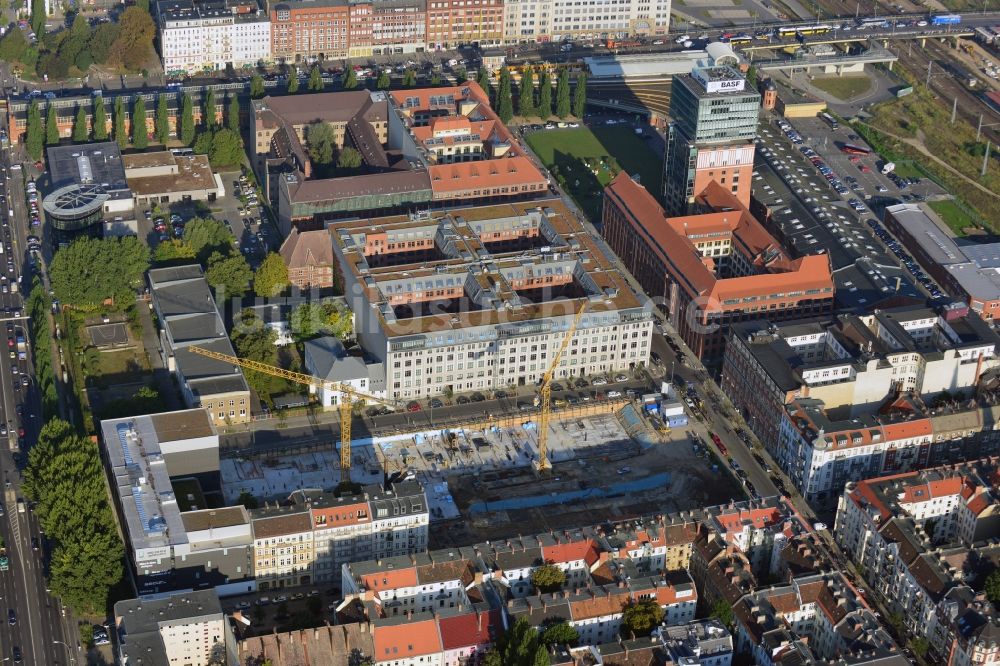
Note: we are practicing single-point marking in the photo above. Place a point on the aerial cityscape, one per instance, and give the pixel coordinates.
(500, 332)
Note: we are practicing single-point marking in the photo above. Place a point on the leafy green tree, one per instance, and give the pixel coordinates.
(228, 275)
(35, 133)
(328, 317)
(247, 500)
(640, 618)
(461, 75)
(208, 118)
(13, 46)
(256, 86)
(173, 251)
(133, 43)
(118, 123)
(65, 477)
(436, 79)
(320, 142)
(409, 78)
(185, 128)
(920, 645)
(227, 149)
(100, 120)
(203, 143)
(560, 633)
(205, 236)
(140, 133)
(100, 42)
(255, 341)
(161, 124)
(505, 105)
(383, 82)
(143, 5)
(526, 98)
(580, 96)
(349, 158)
(992, 586)
(315, 83)
(562, 95)
(51, 126)
(545, 95)
(548, 578)
(80, 129)
(350, 79)
(271, 277)
(38, 18)
(293, 82)
(233, 114)
(521, 646)
(722, 611)
(483, 79)
(90, 270)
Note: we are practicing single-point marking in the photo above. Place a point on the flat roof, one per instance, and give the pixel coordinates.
(645, 65)
(194, 174)
(92, 163)
(929, 231)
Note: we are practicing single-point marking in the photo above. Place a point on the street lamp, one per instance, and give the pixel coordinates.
(69, 650)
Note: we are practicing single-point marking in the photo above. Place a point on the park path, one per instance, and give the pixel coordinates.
(919, 145)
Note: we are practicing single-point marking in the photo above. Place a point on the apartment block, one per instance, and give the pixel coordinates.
(309, 30)
(283, 551)
(454, 23)
(703, 642)
(199, 35)
(715, 114)
(308, 256)
(481, 298)
(180, 628)
(926, 541)
(188, 316)
(712, 269)
(531, 21)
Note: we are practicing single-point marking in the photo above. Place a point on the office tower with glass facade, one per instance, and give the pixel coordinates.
(713, 123)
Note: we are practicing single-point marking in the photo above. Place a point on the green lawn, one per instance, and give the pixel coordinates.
(956, 218)
(567, 150)
(843, 87)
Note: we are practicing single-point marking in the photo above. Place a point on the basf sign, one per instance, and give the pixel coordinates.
(720, 79)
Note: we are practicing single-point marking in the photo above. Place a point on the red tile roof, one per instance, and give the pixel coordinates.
(390, 580)
(404, 641)
(470, 629)
(574, 551)
(907, 429)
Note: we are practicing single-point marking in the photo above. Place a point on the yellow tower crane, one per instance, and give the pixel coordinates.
(543, 463)
(348, 394)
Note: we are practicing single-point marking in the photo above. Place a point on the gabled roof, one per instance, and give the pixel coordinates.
(472, 629)
(406, 640)
(307, 248)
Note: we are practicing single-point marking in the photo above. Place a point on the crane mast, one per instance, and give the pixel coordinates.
(543, 463)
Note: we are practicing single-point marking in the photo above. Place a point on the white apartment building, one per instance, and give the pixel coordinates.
(182, 628)
(198, 36)
(282, 547)
(557, 20)
(481, 298)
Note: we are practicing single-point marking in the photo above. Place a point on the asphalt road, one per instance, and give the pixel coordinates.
(41, 630)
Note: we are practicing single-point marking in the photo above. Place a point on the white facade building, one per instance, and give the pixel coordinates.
(211, 35)
(557, 20)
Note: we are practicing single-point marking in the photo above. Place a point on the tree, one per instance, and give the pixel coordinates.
(271, 277)
(383, 82)
(409, 78)
(35, 133)
(293, 82)
(560, 634)
(118, 123)
(548, 578)
(436, 79)
(90, 270)
(228, 275)
(142, 4)
(173, 251)
(255, 341)
(247, 500)
(100, 42)
(206, 236)
(51, 126)
(65, 477)
(483, 79)
(992, 586)
(562, 95)
(256, 86)
(545, 96)
(233, 114)
(161, 123)
(203, 143)
(13, 46)
(920, 645)
(461, 75)
(505, 105)
(315, 83)
(521, 646)
(722, 611)
(38, 18)
(227, 149)
(314, 319)
(580, 95)
(185, 128)
(208, 117)
(140, 135)
(134, 42)
(640, 618)
(100, 120)
(526, 99)
(320, 142)
(80, 130)
(349, 158)
(350, 80)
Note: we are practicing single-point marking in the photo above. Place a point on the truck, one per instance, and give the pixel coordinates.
(946, 19)
(888, 168)
(22, 344)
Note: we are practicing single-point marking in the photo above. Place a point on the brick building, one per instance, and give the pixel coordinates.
(451, 23)
(309, 29)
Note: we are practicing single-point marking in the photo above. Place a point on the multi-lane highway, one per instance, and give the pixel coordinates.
(33, 625)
